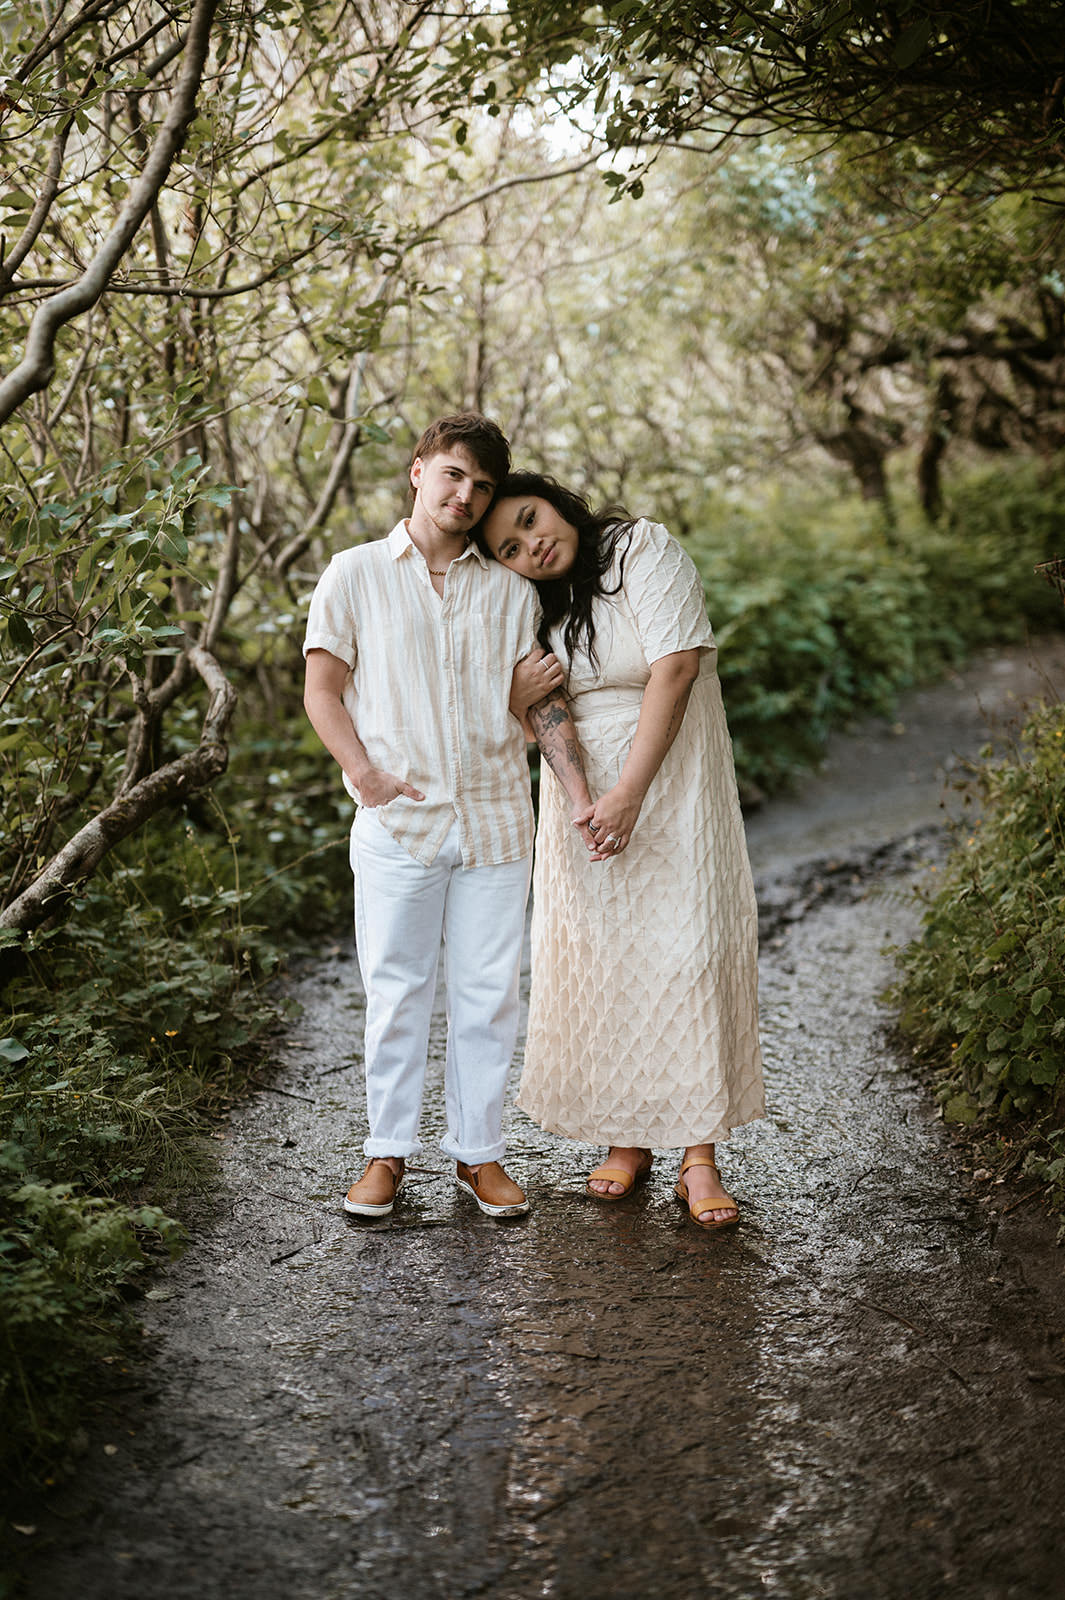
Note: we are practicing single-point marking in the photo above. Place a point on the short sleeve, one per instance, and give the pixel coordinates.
(664, 593)
(523, 609)
(530, 622)
(331, 618)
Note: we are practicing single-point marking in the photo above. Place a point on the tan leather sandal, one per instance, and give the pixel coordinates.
(697, 1209)
(619, 1175)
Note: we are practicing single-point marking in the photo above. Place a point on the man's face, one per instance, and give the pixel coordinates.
(451, 489)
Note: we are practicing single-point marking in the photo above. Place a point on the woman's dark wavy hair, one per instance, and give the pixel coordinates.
(598, 536)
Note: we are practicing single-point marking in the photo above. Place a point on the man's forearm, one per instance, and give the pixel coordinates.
(552, 724)
(331, 722)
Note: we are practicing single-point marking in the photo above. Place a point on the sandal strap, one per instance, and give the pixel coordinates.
(610, 1175)
(724, 1202)
(699, 1161)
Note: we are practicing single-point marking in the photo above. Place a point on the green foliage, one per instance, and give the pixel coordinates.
(982, 993)
(971, 85)
(819, 619)
(86, 609)
(125, 1032)
(1045, 1163)
(67, 1264)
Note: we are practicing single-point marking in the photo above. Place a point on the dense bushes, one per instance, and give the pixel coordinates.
(126, 1030)
(820, 618)
(983, 991)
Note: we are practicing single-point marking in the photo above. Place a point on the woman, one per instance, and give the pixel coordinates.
(643, 1026)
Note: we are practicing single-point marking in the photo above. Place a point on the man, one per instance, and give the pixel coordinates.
(410, 650)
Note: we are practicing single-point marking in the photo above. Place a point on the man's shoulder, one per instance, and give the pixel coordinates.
(510, 587)
(371, 552)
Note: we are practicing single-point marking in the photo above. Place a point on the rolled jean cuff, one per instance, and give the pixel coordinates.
(474, 1158)
(391, 1147)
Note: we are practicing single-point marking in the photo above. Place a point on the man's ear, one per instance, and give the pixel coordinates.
(416, 472)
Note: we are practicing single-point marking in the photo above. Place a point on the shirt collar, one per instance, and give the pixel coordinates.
(400, 544)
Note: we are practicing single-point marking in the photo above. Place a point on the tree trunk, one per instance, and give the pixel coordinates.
(934, 447)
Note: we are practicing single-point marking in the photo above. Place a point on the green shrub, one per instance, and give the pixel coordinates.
(821, 616)
(982, 992)
(127, 1029)
(67, 1263)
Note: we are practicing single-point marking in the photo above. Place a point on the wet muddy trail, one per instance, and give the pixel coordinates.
(857, 1393)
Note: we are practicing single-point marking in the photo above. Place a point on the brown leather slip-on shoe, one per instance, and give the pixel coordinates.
(375, 1193)
(493, 1191)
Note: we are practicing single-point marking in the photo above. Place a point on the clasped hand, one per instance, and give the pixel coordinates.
(607, 825)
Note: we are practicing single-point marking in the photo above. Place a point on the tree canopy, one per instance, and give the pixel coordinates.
(978, 88)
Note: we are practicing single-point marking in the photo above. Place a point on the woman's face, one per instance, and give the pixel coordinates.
(527, 535)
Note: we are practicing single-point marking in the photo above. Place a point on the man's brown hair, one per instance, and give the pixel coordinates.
(483, 438)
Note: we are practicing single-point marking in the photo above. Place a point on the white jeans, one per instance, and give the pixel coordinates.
(402, 911)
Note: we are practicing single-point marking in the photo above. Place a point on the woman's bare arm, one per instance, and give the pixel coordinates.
(665, 700)
(552, 724)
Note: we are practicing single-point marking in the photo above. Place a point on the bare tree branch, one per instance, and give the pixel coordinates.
(91, 13)
(34, 372)
(80, 856)
(42, 205)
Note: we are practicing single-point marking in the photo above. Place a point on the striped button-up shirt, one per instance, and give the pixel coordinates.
(427, 690)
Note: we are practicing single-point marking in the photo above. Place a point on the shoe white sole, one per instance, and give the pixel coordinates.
(359, 1208)
(519, 1208)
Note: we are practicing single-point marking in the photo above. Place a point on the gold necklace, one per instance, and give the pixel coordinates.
(433, 572)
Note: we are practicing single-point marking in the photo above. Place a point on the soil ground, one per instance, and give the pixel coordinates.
(859, 1392)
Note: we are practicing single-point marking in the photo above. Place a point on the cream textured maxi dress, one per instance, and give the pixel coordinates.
(643, 1018)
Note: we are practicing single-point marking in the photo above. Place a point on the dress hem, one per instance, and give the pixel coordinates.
(627, 1139)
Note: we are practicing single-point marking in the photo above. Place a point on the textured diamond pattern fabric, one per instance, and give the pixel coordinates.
(643, 1021)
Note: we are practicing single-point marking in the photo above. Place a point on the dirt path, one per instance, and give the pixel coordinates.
(856, 1394)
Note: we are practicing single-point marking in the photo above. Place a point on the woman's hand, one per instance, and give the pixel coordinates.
(610, 821)
(534, 677)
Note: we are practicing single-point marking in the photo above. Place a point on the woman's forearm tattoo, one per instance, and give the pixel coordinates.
(552, 724)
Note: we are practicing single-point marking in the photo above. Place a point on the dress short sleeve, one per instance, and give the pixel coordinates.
(663, 591)
(331, 619)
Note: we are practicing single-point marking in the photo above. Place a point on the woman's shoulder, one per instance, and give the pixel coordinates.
(648, 546)
(643, 535)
